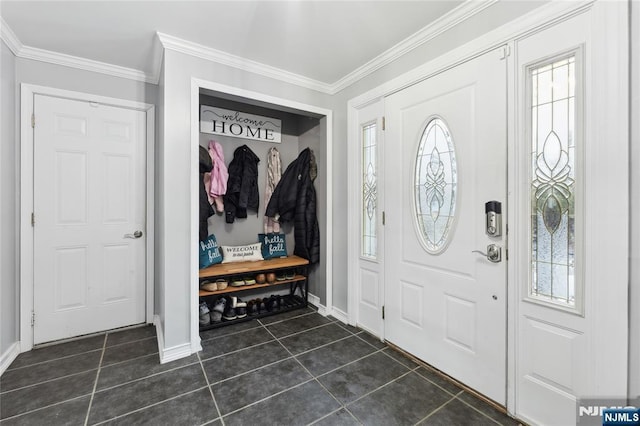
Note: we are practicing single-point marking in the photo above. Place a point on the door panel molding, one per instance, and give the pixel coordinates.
(28, 92)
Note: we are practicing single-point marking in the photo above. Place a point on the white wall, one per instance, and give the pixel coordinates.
(61, 77)
(634, 293)
(8, 207)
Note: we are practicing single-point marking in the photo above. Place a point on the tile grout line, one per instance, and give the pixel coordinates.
(47, 381)
(312, 375)
(312, 378)
(44, 407)
(236, 351)
(128, 360)
(52, 360)
(213, 397)
(286, 319)
(474, 408)
(349, 363)
(434, 383)
(250, 371)
(95, 383)
(267, 397)
(377, 389)
(303, 331)
(386, 352)
(119, 416)
(232, 333)
(145, 377)
(438, 409)
(74, 354)
(262, 343)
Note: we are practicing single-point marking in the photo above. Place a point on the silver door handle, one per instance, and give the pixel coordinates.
(136, 234)
(493, 254)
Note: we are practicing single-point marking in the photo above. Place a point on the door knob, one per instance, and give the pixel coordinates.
(493, 254)
(136, 234)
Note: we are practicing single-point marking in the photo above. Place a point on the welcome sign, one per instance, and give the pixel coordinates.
(219, 121)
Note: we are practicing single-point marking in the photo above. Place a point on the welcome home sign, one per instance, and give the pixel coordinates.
(219, 121)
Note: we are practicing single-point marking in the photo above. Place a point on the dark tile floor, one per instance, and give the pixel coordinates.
(295, 368)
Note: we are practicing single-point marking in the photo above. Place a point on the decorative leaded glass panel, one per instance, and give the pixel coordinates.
(552, 123)
(369, 191)
(436, 181)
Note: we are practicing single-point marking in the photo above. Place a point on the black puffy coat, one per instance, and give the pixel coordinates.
(205, 208)
(294, 198)
(242, 186)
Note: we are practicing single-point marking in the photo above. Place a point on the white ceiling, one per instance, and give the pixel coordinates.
(319, 40)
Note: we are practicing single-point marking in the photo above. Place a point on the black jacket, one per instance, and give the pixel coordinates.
(205, 208)
(242, 186)
(294, 198)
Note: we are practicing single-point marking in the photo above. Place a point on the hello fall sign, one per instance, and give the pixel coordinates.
(219, 121)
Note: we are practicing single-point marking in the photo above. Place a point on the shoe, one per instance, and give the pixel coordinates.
(238, 303)
(229, 313)
(268, 304)
(219, 305)
(205, 318)
(241, 312)
(290, 275)
(237, 282)
(209, 286)
(252, 308)
(249, 281)
(281, 276)
(222, 283)
(276, 302)
(215, 317)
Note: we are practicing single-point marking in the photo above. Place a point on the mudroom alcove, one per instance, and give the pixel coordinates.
(301, 130)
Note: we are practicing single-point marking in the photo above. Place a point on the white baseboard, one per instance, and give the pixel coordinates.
(9, 356)
(173, 353)
(315, 301)
(340, 315)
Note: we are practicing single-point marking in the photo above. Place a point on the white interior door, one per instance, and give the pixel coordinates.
(445, 304)
(89, 201)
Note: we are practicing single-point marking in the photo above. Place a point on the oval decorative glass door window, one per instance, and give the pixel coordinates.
(436, 180)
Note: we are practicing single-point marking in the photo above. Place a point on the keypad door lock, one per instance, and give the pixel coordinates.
(493, 254)
(493, 212)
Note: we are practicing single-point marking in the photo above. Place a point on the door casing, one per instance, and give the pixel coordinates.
(27, 192)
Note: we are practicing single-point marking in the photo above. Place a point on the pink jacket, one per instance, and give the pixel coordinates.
(219, 174)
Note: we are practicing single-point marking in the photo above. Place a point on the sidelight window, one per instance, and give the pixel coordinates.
(552, 123)
(369, 192)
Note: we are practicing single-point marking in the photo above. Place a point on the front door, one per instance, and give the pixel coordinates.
(89, 205)
(445, 158)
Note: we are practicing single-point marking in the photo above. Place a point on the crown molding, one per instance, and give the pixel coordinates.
(84, 64)
(447, 21)
(9, 37)
(194, 49)
(36, 54)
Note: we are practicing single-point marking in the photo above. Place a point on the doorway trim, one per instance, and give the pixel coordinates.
(546, 15)
(196, 85)
(27, 93)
